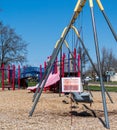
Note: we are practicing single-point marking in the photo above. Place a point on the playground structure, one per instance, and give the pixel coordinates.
(78, 8)
(8, 77)
(13, 77)
(64, 67)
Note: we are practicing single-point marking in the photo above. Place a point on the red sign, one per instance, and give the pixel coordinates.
(71, 84)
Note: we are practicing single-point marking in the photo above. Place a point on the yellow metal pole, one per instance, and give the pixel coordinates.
(64, 31)
(78, 8)
(106, 18)
(76, 31)
(100, 5)
(56, 44)
(91, 3)
(79, 5)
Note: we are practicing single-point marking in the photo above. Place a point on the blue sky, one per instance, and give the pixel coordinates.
(41, 22)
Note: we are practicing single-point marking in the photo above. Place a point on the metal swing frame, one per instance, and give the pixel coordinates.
(78, 8)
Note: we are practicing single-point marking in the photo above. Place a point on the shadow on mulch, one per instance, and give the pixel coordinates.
(100, 114)
(87, 114)
(81, 114)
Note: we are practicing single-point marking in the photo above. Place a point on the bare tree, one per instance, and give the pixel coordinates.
(12, 48)
(108, 60)
(104, 60)
(108, 63)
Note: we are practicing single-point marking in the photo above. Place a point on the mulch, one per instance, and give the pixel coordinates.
(53, 112)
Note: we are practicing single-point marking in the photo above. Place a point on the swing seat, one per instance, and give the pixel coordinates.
(82, 97)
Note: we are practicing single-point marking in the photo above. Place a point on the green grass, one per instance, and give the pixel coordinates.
(97, 88)
(32, 83)
(29, 84)
(111, 83)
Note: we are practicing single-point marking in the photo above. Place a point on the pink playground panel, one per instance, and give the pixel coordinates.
(52, 79)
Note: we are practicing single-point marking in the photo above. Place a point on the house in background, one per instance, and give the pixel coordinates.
(111, 76)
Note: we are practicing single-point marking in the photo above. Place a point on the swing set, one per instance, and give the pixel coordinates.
(57, 50)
